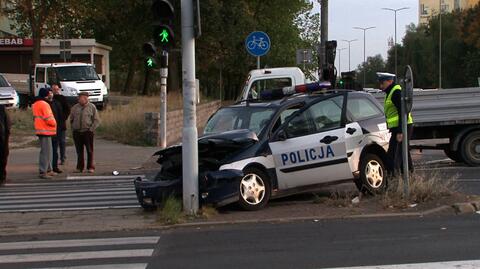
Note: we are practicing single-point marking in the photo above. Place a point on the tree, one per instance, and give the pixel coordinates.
(373, 65)
(36, 18)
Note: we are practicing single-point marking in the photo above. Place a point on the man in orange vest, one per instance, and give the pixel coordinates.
(45, 128)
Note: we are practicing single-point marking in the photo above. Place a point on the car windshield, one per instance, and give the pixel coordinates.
(75, 73)
(234, 118)
(3, 82)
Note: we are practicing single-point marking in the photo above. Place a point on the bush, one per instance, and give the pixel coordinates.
(171, 212)
(423, 187)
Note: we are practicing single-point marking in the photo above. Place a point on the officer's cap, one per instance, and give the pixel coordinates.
(381, 76)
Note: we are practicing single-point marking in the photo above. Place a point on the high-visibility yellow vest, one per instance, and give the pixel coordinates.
(391, 112)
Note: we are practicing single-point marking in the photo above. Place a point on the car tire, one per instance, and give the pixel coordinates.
(470, 149)
(454, 155)
(373, 175)
(254, 189)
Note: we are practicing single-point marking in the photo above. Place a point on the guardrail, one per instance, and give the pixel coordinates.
(445, 107)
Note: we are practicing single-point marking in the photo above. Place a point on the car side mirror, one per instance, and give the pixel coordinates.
(281, 135)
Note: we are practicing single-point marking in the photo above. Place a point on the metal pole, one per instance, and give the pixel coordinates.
(323, 35)
(258, 62)
(440, 49)
(349, 42)
(364, 49)
(395, 45)
(405, 145)
(163, 99)
(190, 136)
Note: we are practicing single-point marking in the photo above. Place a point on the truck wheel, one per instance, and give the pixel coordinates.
(254, 189)
(454, 155)
(470, 149)
(373, 175)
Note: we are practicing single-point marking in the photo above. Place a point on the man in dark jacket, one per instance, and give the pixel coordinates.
(5, 125)
(61, 110)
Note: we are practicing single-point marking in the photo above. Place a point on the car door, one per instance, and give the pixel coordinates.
(310, 147)
(40, 80)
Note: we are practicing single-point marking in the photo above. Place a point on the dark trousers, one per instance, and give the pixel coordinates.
(3, 160)
(58, 142)
(84, 140)
(395, 155)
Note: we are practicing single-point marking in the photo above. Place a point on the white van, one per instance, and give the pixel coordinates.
(72, 78)
(271, 78)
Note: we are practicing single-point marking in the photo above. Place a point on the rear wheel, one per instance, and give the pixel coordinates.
(470, 149)
(454, 155)
(372, 175)
(255, 189)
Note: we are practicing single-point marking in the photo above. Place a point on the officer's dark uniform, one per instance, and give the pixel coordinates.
(4, 136)
(392, 106)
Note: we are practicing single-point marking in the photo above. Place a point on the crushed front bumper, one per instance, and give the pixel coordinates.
(217, 188)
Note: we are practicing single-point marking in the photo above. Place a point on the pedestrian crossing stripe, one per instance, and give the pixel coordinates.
(472, 264)
(68, 195)
(77, 250)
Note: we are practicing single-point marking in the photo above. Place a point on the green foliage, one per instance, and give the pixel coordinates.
(371, 67)
(460, 56)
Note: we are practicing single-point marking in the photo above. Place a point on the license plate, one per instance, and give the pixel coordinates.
(93, 99)
(147, 201)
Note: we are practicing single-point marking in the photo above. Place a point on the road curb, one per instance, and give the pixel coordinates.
(466, 208)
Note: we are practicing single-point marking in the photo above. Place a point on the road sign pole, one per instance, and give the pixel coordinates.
(190, 136)
(163, 98)
(258, 62)
(406, 181)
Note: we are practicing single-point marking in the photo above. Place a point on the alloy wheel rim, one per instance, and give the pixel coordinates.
(374, 174)
(252, 189)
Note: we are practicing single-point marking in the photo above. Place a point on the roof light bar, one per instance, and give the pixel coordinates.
(286, 91)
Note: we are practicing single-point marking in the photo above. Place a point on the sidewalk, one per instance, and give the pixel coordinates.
(109, 156)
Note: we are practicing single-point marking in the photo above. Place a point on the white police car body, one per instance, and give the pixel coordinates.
(256, 150)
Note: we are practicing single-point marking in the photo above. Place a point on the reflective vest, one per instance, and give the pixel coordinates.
(391, 112)
(44, 121)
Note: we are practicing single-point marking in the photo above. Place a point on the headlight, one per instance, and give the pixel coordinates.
(71, 91)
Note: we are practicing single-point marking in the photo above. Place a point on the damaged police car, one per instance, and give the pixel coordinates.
(256, 150)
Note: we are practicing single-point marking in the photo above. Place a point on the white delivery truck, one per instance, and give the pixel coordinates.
(72, 78)
(259, 80)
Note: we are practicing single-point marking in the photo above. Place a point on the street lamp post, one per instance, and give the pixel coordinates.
(349, 41)
(340, 60)
(364, 29)
(440, 46)
(395, 45)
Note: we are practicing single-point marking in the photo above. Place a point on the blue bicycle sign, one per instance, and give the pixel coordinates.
(257, 43)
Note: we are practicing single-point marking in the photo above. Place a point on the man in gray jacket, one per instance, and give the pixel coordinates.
(84, 119)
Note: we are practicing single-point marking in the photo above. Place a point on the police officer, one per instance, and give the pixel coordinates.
(392, 109)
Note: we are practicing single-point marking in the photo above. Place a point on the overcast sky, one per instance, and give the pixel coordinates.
(345, 14)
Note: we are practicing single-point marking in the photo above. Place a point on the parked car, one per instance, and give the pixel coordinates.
(8, 95)
(254, 151)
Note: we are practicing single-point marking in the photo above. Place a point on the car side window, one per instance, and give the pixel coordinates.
(300, 125)
(261, 85)
(327, 114)
(40, 75)
(362, 108)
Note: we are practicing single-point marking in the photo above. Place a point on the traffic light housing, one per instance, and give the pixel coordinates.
(163, 15)
(150, 53)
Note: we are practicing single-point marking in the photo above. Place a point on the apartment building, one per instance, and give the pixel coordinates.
(429, 8)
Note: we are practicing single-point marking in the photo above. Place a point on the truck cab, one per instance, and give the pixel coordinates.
(271, 78)
(72, 79)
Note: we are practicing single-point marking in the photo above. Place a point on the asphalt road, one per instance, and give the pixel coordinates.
(467, 178)
(308, 244)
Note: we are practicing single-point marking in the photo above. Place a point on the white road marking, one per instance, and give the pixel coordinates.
(79, 243)
(105, 266)
(130, 196)
(69, 256)
(132, 177)
(32, 206)
(67, 183)
(439, 161)
(49, 195)
(68, 208)
(66, 192)
(474, 264)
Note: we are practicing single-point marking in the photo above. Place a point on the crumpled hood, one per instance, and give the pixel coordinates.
(215, 146)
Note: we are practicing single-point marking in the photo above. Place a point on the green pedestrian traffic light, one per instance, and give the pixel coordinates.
(163, 15)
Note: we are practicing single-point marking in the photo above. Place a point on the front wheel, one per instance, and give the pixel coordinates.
(372, 175)
(255, 189)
